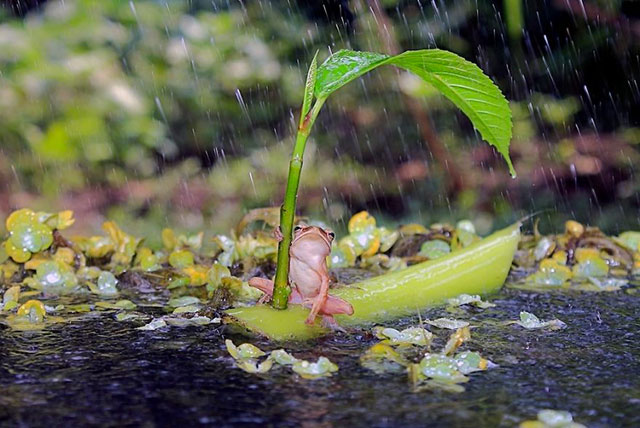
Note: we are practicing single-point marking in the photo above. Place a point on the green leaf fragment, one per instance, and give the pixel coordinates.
(590, 264)
(183, 301)
(337, 258)
(469, 362)
(9, 305)
(11, 295)
(33, 310)
(107, 283)
(456, 339)
(382, 358)
(410, 336)
(353, 245)
(216, 273)
(467, 226)
(147, 260)
(179, 282)
(155, 324)
(609, 284)
(361, 222)
(169, 240)
(321, 368)
(228, 246)
(543, 248)
(18, 255)
(246, 350)
(530, 322)
(434, 249)
(447, 323)
(251, 366)
(181, 259)
(95, 246)
(33, 237)
(555, 418)
(53, 277)
(551, 274)
(21, 216)
(467, 299)
(552, 419)
(3, 254)
(630, 239)
(241, 290)
(61, 220)
(387, 239)
(125, 245)
(119, 305)
(186, 309)
(130, 316)
(282, 357)
(441, 368)
(186, 322)
(246, 354)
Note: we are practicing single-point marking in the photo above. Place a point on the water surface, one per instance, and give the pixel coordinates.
(99, 371)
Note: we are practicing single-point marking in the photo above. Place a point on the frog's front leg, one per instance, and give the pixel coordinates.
(277, 233)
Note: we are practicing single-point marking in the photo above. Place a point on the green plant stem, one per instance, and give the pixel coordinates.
(281, 289)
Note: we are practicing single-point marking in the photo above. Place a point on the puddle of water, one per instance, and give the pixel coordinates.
(102, 372)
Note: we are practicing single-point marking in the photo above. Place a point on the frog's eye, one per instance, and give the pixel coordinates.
(297, 228)
(332, 235)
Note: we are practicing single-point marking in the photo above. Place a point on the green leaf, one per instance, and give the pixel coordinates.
(461, 81)
(309, 87)
(344, 66)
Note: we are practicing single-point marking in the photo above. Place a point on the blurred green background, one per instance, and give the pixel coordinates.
(181, 114)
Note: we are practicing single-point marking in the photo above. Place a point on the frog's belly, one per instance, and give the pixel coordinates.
(306, 280)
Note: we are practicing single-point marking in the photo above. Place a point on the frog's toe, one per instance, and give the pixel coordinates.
(330, 322)
(266, 298)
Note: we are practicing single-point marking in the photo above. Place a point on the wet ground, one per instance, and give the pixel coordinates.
(103, 372)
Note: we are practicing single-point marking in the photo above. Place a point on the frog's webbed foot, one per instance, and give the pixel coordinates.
(266, 298)
(330, 322)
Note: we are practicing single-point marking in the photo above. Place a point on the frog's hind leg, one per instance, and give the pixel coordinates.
(266, 286)
(262, 284)
(335, 305)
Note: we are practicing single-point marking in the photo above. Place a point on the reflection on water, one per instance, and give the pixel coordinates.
(102, 372)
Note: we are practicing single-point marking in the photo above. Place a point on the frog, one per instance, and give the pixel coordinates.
(309, 275)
